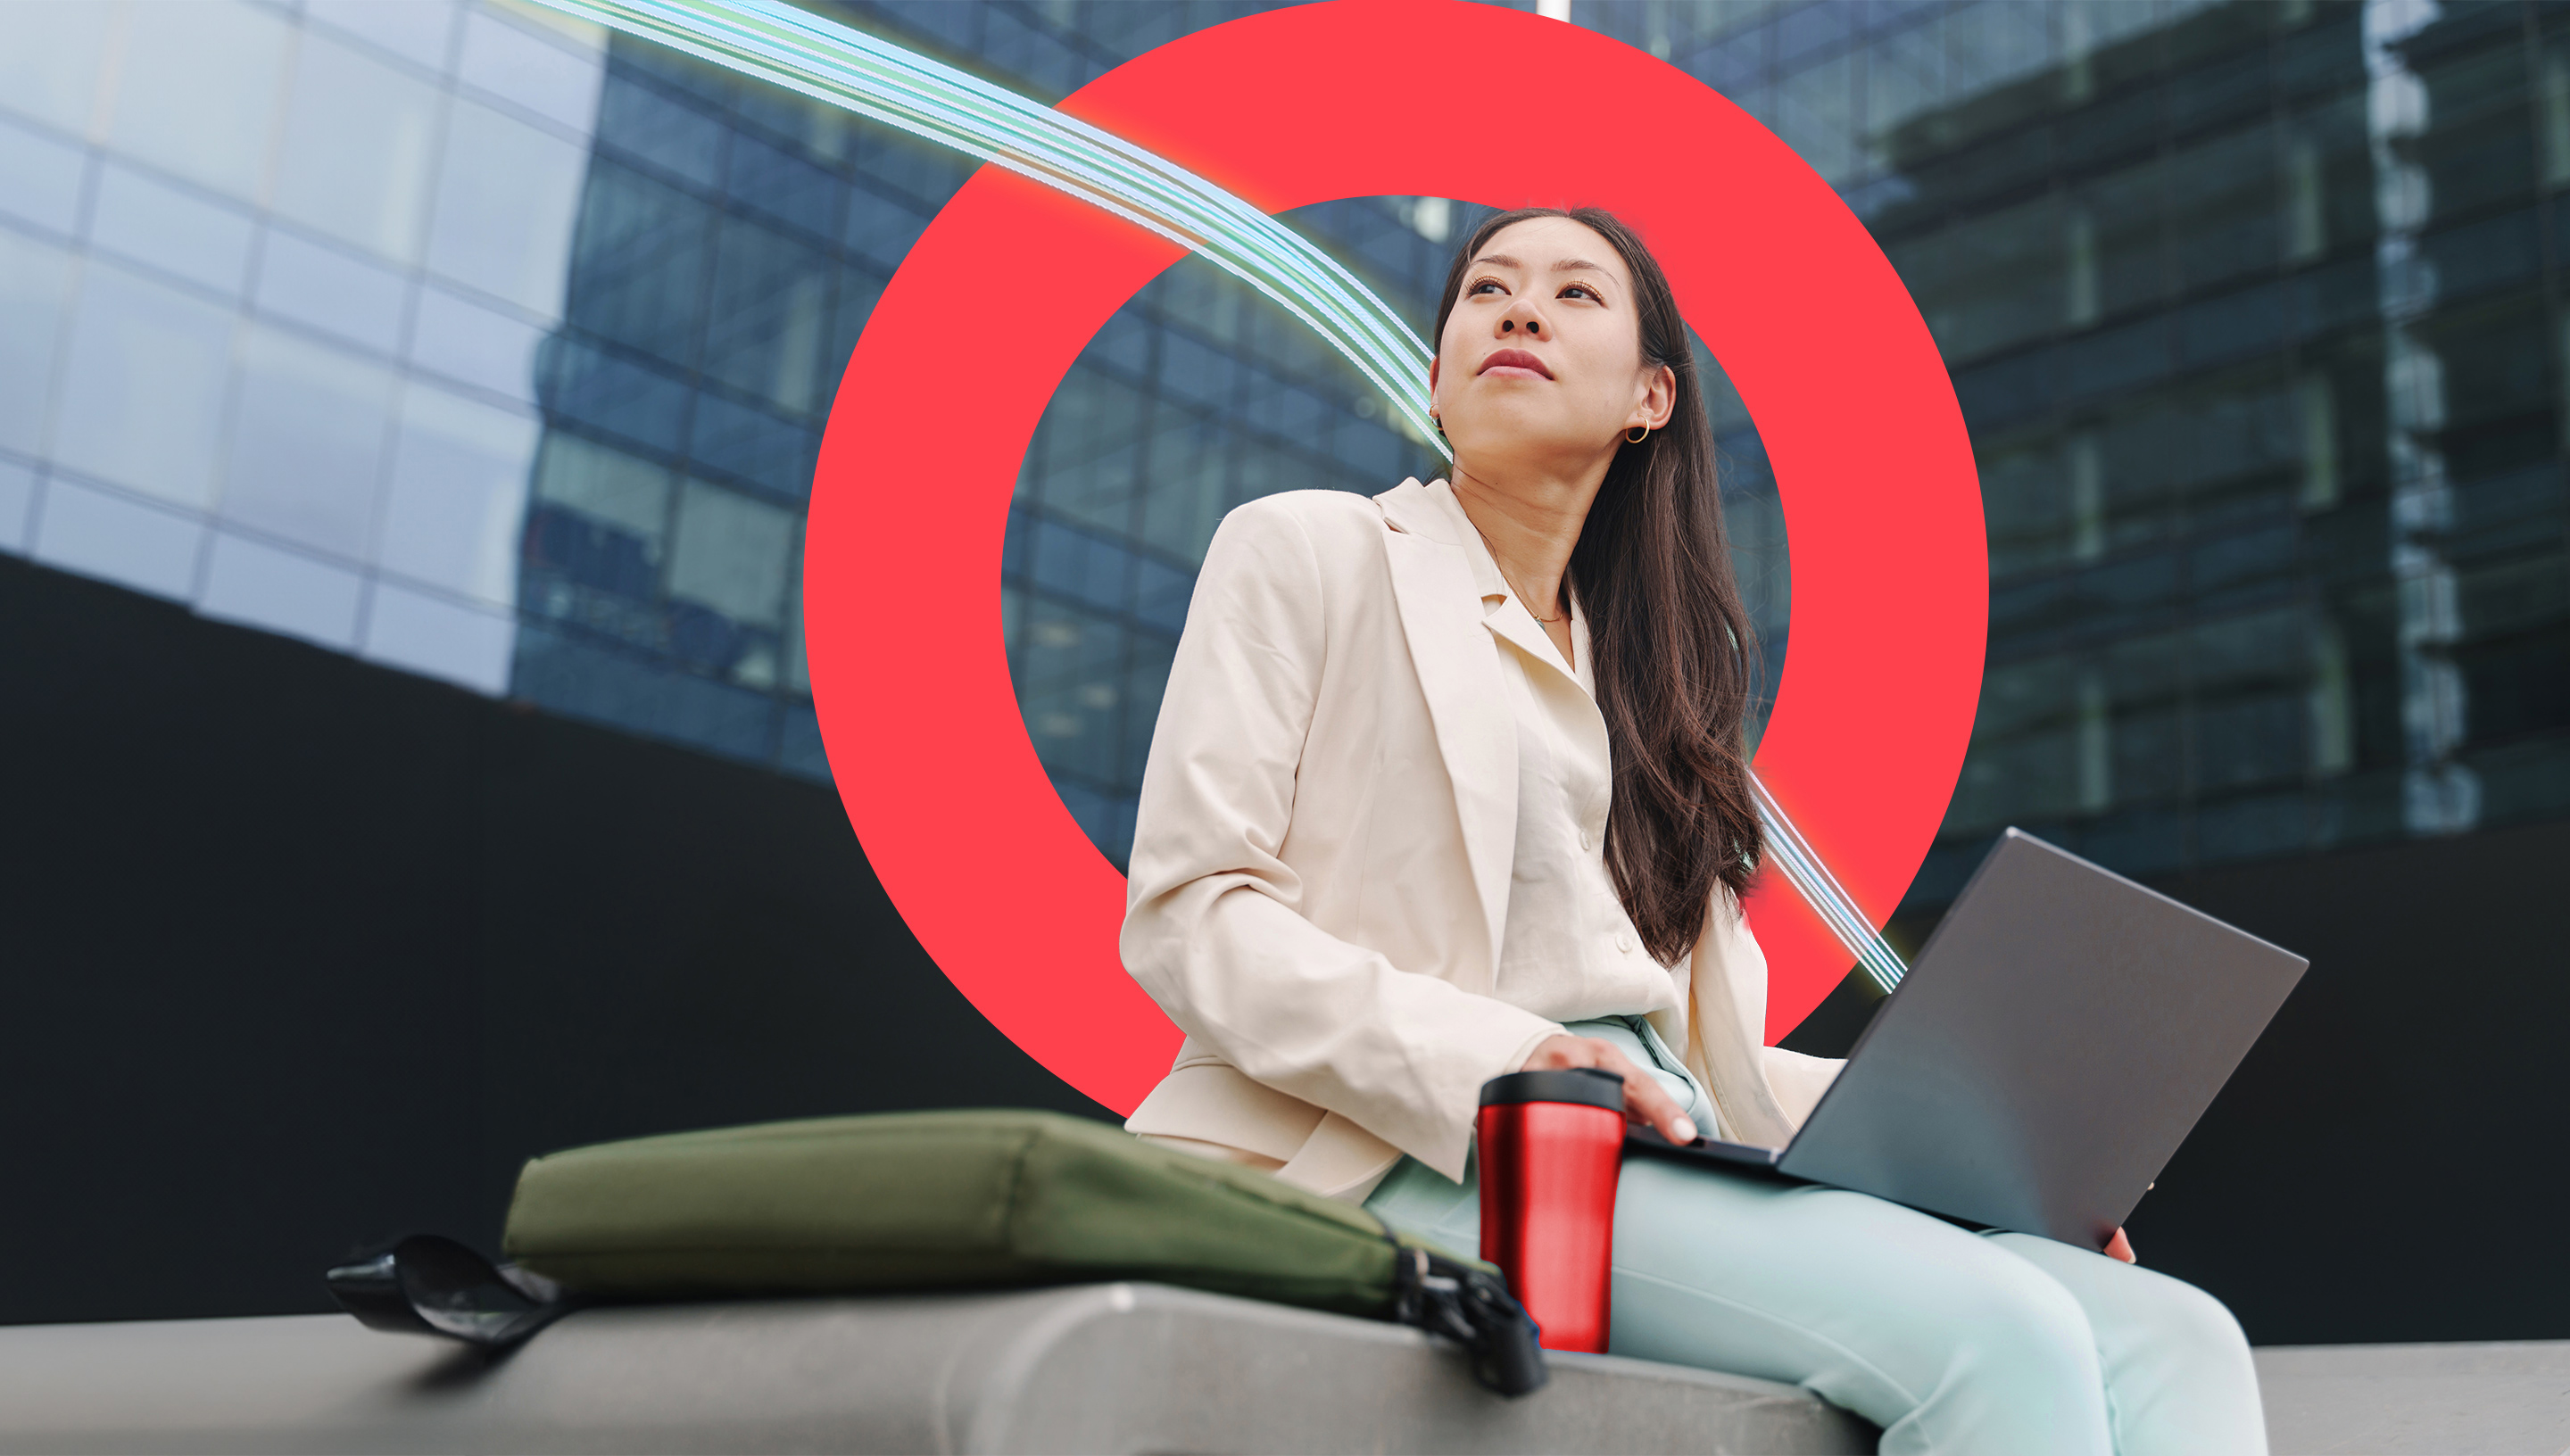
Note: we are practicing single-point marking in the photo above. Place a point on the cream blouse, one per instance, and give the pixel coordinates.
(1568, 951)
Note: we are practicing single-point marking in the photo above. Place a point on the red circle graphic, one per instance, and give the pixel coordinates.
(1369, 98)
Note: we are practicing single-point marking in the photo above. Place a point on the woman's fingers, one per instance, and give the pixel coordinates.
(1644, 1100)
(2121, 1248)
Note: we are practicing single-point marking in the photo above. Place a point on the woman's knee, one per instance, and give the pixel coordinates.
(1952, 1298)
(2141, 1309)
(2017, 1366)
(2017, 1315)
(2187, 1323)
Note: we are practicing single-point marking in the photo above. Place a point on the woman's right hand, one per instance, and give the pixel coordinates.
(1645, 1101)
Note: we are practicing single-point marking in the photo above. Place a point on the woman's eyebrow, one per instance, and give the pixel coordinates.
(1566, 265)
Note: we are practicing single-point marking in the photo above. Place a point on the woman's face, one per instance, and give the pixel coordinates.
(1542, 355)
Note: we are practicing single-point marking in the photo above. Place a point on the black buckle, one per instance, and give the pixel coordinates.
(1473, 1308)
(425, 1285)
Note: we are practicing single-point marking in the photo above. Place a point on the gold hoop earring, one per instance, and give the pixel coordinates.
(1632, 439)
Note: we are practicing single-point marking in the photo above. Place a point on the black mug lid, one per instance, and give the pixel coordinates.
(1586, 1086)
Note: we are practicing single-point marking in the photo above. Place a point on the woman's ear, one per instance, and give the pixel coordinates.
(1660, 397)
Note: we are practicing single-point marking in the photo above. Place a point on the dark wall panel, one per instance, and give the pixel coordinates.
(302, 953)
(2388, 1163)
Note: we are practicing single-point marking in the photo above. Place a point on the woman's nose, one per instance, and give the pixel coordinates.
(1513, 323)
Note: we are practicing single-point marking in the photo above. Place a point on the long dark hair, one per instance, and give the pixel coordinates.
(1672, 650)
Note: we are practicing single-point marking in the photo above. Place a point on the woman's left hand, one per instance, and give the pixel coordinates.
(2121, 1248)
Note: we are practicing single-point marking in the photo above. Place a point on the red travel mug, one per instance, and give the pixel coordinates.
(1549, 1146)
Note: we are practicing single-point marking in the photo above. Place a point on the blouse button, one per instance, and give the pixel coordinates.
(1587, 841)
(1624, 941)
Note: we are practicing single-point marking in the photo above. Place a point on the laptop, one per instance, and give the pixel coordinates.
(2058, 1038)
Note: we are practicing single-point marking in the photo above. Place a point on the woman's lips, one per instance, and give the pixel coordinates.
(1516, 362)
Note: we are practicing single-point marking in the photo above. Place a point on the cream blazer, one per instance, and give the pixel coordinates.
(1320, 867)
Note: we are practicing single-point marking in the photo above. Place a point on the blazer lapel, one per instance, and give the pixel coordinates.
(1527, 633)
(1458, 672)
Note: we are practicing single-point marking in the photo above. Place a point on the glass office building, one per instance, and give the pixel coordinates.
(2252, 310)
(485, 345)
(271, 283)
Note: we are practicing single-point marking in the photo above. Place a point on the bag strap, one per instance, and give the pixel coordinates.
(1471, 1306)
(425, 1285)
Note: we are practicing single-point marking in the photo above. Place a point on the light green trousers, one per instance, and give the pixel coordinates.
(1954, 1342)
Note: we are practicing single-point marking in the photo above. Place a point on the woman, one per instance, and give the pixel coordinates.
(1450, 783)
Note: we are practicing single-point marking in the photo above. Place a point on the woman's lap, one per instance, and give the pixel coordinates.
(1950, 1340)
(2177, 1371)
(1902, 1318)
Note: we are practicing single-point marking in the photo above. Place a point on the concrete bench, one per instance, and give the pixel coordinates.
(1095, 1367)
(1100, 1367)
(2463, 1399)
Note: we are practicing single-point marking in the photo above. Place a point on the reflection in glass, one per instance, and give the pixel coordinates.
(35, 286)
(438, 638)
(260, 585)
(473, 343)
(331, 291)
(112, 535)
(307, 442)
(420, 31)
(143, 386)
(503, 214)
(354, 155)
(170, 229)
(456, 493)
(195, 90)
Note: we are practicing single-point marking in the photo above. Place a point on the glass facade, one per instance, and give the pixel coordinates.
(272, 283)
(492, 347)
(2252, 310)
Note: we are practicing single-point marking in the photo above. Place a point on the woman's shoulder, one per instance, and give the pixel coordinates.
(1295, 532)
(1276, 564)
(1335, 511)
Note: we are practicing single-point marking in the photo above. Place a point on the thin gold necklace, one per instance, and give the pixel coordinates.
(1511, 580)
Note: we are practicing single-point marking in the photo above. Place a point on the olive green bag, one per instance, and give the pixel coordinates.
(931, 1201)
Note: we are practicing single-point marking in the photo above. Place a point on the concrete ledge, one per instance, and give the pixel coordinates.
(2497, 1399)
(1090, 1369)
